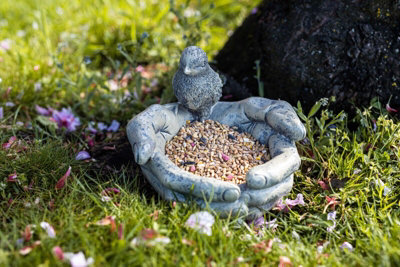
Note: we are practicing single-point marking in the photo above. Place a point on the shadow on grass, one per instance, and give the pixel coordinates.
(115, 157)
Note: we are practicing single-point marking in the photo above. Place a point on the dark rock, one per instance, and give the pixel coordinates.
(310, 49)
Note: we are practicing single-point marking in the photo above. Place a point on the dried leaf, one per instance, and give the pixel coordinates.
(109, 220)
(187, 242)
(264, 246)
(27, 234)
(121, 232)
(61, 183)
(323, 185)
(154, 215)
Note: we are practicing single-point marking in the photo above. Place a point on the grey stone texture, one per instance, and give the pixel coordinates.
(271, 122)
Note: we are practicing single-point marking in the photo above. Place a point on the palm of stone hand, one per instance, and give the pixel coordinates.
(271, 122)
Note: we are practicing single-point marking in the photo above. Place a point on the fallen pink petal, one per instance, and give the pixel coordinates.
(121, 231)
(91, 128)
(114, 126)
(65, 118)
(12, 178)
(331, 217)
(102, 126)
(149, 238)
(58, 252)
(108, 220)
(110, 191)
(284, 261)
(82, 155)
(390, 109)
(37, 86)
(298, 201)
(78, 259)
(347, 246)
(201, 221)
(10, 142)
(26, 250)
(105, 199)
(262, 223)
(5, 45)
(49, 229)
(139, 68)
(43, 111)
(289, 203)
(323, 185)
(27, 234)
(90, 141)
(61, 183)
(224, 157)
(332, 201)
(263, 246)
(386, 191)
(105, 221)
(230, 177)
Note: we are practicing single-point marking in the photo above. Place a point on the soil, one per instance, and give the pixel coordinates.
(310, 49)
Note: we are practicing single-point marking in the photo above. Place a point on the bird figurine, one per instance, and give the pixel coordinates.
(196, 85)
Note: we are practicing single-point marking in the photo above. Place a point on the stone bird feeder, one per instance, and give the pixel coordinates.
(198, 89)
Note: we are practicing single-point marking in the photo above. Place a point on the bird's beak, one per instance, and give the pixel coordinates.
(187, 71)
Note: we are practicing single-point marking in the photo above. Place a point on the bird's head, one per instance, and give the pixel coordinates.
(193, 61)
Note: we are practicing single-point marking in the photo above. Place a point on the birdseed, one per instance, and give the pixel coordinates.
(216, 150)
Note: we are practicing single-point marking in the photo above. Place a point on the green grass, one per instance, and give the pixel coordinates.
(110, 34)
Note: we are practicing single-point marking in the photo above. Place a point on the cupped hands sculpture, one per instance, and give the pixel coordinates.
(271, 122)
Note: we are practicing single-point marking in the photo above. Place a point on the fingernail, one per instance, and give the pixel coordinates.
(231, 195)
(257, 181)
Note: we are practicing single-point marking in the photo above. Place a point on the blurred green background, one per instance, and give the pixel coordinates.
(64, 52)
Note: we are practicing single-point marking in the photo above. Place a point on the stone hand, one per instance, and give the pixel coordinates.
(273, 123)
(268, 182)
(148, 132)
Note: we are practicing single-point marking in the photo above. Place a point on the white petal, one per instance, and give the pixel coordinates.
(201, 221)
(49, 229)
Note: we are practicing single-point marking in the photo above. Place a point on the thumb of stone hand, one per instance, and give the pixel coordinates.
(143, 151)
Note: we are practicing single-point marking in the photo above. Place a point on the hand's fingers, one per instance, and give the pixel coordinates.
(224, 209)
(268, 196)
(143, 151)
(285, 161)
(261, 131)
(176, 179)
(163, 191)
(142, 129)
(284, 119)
